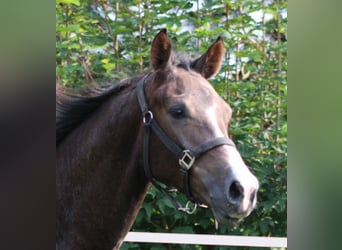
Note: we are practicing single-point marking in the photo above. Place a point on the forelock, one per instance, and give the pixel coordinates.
(181, 60)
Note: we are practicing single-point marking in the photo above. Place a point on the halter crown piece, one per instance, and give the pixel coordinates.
(186, 157)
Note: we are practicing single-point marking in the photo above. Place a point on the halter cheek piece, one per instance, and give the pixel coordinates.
(186, 157)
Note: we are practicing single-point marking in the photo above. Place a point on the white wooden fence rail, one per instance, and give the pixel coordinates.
(206, 239)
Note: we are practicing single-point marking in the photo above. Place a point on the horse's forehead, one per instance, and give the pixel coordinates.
(191, 83)
(201, 93)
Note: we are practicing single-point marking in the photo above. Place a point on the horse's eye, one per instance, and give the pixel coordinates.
(178, 111)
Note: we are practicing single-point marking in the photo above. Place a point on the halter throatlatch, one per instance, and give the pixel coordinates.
(186, 157)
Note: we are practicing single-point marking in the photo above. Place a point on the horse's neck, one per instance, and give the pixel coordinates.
(100, 180)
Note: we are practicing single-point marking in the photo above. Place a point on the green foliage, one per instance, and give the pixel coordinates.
(110, 40)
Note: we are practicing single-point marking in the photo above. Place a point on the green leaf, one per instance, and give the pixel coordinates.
(75, 2)
(183, 229)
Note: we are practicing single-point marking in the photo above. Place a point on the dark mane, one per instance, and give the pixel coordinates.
(72, 108)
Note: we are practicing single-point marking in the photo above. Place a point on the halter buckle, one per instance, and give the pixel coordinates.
(186, 160)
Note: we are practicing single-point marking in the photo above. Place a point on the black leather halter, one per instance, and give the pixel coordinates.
(186, 157)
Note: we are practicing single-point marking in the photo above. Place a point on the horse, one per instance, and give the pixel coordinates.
(166, 125)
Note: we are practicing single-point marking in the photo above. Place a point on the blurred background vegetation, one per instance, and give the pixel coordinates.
(100, 42)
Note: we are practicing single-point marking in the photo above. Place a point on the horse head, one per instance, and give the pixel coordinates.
(190, 112)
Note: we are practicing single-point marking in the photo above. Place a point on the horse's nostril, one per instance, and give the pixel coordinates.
(253, 195)
(235, 192)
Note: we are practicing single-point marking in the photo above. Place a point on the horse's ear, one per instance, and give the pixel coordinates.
(209, 63)
(161, 50)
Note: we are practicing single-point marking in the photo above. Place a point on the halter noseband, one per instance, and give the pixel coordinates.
(186, 157)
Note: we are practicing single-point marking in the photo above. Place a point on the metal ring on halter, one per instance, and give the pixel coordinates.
(148, 117)
(187, 210)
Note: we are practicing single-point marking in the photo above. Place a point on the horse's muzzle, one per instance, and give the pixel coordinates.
(242, 197)
(235, 195)
(239, 201)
